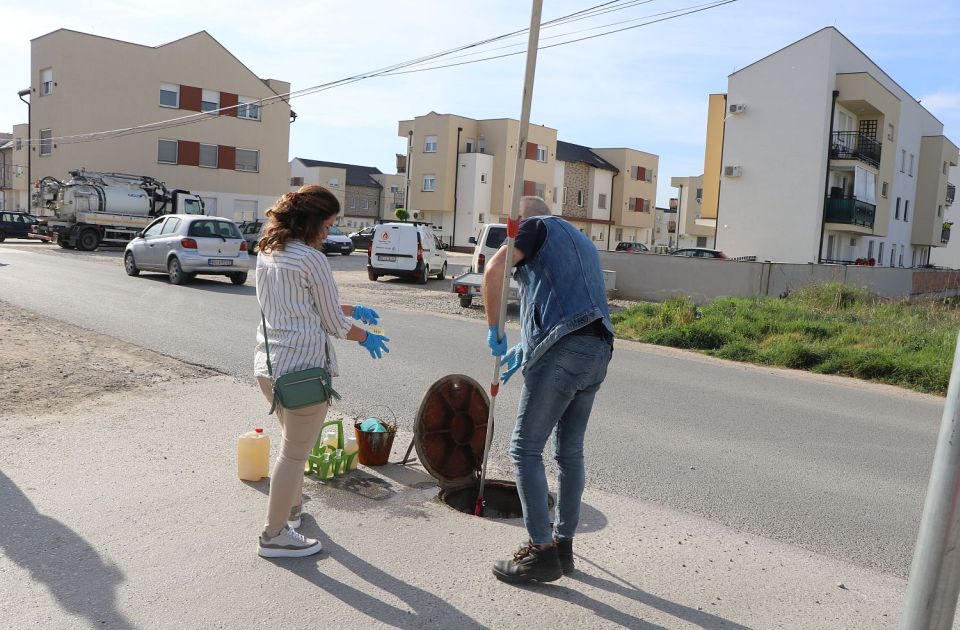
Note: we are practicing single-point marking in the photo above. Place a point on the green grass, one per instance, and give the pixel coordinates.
(828, 329)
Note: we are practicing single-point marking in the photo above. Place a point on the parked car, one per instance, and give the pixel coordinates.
(406, 250)
(698, 252)
(488, 240)
(337, 242)
(17, 225)
(630, 246)
(361, 238)
(252, 232)
(185, 245)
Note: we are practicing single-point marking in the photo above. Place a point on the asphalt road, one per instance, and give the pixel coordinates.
(832, 465)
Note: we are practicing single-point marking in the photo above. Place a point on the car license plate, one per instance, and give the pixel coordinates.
(220, 262)
(386, 258)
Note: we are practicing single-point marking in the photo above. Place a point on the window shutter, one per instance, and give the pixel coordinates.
(228, 101)
(531, 151)
(641, 173)
(190, 98)
(188, 153)
(633, 172)
(646, 205)
(529, 188)
(227, 157)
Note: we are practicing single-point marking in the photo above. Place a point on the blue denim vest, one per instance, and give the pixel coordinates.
(561, 289)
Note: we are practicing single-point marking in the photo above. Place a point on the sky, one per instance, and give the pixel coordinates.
(645, 88)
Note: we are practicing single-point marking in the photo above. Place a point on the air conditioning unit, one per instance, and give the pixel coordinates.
(416, 215)
(737, 108)
(732, 171)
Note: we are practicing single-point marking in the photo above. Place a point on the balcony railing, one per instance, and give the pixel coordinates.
(853, 145)
(850, 211)
(951, 193)
(945, 235)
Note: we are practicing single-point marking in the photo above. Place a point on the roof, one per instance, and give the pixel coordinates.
(356, 175)
(569, 152)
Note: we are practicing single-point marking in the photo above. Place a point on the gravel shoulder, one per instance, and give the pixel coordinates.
(47, 365)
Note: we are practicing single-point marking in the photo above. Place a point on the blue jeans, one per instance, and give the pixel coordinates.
(557, 397)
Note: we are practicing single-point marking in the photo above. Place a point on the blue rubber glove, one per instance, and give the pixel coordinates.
(366, 315)
(375, 344)
(498, 345)
(512, 360)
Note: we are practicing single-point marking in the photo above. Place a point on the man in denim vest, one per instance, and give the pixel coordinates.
(566, 341)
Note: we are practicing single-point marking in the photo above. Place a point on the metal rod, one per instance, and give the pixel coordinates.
(934, 584)
(532, 44)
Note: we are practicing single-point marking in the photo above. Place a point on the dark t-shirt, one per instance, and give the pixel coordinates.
(530, 238)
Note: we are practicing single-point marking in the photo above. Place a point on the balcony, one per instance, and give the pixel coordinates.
(853, 145)
(945, 234)
(951, 193)
(850, 211)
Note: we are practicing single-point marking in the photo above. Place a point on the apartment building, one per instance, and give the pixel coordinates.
(460, 174)
(235, 156)
(949, 254)
(13, 163)
(694, 228)
(665, 226)
(825, 158)
(365, 194)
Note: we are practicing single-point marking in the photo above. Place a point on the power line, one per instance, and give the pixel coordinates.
(398, 69)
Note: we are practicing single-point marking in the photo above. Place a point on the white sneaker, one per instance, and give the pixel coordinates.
(294, 521)
(287, 544)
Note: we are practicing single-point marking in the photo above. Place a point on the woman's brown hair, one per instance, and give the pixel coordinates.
(298, 216)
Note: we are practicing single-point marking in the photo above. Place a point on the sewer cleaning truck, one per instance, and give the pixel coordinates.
(93, 208)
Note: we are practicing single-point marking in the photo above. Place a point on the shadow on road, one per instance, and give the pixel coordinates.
(426, 609)
(203, 284)
(81, 581)
(619, 586)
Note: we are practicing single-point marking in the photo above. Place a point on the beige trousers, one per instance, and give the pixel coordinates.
(300, 430)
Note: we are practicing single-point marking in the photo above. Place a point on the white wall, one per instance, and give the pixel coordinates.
(473, 195)
(558, 174)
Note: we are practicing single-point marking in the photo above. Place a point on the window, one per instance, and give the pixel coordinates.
(245, 209)
(580, 198)
(699, 194)
(602, 201)
(540, 190)
(296, 181)
(601, 236)
(366, 204)
(564, 194)
(883, 190)
(154, 228)
(890, 131)
(46, 141)
(353, 203)
(171, 226)
(209, 206)
(248, 160)
(869, 250)
(167, 151)
(169, 95)
(880, 254)
(429, 183)
(906, 210)
(618, 234)
(897, 214)
(19, 144)
(208, 155)
(910, 170)
(541, 153)
(210, 101)
(901, 256)
(334, 182)
(430, 144)
(701, 241)
(903, 160)
(248, 108)
(471, 143)
(46, 82)
(483, 178)
(893, 256)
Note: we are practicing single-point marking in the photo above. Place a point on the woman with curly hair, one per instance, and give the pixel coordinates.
(301, 312)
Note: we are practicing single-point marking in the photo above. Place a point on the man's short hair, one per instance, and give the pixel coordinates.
(531, 206)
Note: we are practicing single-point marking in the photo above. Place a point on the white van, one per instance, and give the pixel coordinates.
(488, 240)
(407, 250)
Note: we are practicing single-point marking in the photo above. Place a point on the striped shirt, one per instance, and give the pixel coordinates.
(300, 301)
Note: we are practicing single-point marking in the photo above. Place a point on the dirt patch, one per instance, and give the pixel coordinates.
(48, 365)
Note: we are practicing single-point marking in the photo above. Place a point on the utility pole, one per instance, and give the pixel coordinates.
(21, 94)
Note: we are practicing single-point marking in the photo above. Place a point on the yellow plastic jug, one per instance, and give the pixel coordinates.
(350, 452)
(253, 455)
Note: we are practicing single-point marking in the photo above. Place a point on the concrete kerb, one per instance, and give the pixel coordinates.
(137, 496)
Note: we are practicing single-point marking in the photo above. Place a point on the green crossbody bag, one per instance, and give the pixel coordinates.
(302, 388)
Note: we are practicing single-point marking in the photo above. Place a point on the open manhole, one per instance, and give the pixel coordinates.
(449, 433)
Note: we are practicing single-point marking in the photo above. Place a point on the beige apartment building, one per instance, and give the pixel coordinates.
(234, 156)
(365, 194)
(460, 174)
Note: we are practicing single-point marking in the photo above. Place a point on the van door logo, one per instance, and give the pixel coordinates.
(384, 236)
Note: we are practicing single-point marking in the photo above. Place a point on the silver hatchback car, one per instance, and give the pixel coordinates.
(184, 245)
